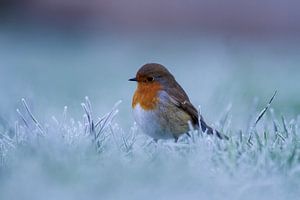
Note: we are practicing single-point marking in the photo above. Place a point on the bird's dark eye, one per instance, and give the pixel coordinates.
(150, 79)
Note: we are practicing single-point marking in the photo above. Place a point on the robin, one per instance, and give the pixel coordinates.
(161, 107)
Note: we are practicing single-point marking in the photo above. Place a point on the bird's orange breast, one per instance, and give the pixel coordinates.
(146, 95)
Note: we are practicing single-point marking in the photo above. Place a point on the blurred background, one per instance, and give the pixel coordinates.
(56, 52)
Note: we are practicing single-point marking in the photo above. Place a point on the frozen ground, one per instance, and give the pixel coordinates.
(58, 157)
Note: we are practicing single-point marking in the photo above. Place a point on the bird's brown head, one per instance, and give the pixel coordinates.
(151, 79)
(152, 73)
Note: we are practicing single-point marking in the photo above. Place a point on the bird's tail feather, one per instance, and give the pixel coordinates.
(211, 131)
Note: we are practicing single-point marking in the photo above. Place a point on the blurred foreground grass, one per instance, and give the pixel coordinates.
(94, 158)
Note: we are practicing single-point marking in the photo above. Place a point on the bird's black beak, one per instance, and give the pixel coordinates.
(132, 79)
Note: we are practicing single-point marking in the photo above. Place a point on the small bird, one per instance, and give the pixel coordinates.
(161, 107)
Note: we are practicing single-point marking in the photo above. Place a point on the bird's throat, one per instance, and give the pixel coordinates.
(146, 95)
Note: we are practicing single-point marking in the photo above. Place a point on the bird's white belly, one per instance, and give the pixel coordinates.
(148, 121)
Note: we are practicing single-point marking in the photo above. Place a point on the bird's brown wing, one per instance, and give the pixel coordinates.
(187, 107)
(180, 99)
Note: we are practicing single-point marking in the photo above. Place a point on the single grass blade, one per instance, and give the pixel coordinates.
(262, 113)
